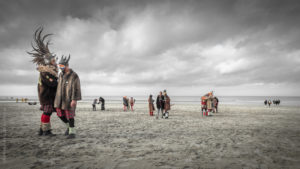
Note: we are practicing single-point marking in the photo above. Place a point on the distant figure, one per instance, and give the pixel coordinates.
(167, 105)
(151, 105)
(128, 104)
(94, 104)
(17, 100)
(203, 105)
(209, 103)
(278, 102)
(215, 104)
(125, 103)
(132, 102)
(160, 105)
(102, 101)
(266, 102)
(269, 103)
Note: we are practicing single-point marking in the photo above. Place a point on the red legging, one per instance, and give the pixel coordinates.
(45, 118)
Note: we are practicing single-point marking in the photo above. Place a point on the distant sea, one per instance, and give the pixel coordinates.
(233, 100)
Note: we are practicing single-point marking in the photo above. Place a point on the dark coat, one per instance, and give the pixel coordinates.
(68, 89)
(160, 104)
(47, 85)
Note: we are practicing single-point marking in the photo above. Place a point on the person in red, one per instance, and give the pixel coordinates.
(203, 105)
(132, 101)
(46, 65)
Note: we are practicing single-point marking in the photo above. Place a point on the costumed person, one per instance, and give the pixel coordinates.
(160, 105)
(67, 95)
(204, 105)
(209, 103)
(94, 104)
(102, 101)
(46, 65)
(125, 103)
(132, 102)
(167, 105)
(151, 105)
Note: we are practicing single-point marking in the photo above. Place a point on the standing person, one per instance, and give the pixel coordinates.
(209, 103)
(167, 105)
(132, 102)
(266, 102)
(67, 94)
(215, 104)
(125, 103)
(102, 101)
(128, 104)
(46, 65)
(203, 105)
(160, 105)
(269, 103)
(94, 104)
(151, 105)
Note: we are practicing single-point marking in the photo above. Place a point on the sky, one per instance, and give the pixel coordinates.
(136, 47)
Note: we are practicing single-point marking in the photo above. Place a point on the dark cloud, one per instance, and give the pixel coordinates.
(158, 43)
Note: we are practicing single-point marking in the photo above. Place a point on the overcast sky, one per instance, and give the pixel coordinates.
(234, 47)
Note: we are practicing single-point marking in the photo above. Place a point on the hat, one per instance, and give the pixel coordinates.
(64, 60)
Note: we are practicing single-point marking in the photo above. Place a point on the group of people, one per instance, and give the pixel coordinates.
(128, 103)
(101, 100)
(163, 105)
(269, 102)
(57, 92)
(209, 104)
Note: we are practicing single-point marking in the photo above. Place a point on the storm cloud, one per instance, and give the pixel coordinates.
(234, 47)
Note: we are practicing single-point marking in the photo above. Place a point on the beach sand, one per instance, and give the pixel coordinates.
(237, 137)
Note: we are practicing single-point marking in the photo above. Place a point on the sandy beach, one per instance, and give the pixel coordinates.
(237, 137)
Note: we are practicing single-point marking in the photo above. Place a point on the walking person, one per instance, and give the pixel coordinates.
(167, 105)
(94, 104)
(151, 105)
(67, 94)
(47, 83)
(160, 105)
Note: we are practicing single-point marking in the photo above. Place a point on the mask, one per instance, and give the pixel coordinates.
(62, 68)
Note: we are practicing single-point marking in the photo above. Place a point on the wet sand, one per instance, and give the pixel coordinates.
(237, 137)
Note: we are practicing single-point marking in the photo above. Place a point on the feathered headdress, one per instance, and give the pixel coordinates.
(41, 53)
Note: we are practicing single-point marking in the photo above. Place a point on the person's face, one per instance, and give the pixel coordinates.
(53, 61)
(160, 93)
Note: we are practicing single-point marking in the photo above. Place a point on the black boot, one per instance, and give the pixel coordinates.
(67, 132)
(41, 132)
(49, 133)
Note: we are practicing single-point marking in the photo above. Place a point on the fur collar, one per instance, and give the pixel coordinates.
(53, 70)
